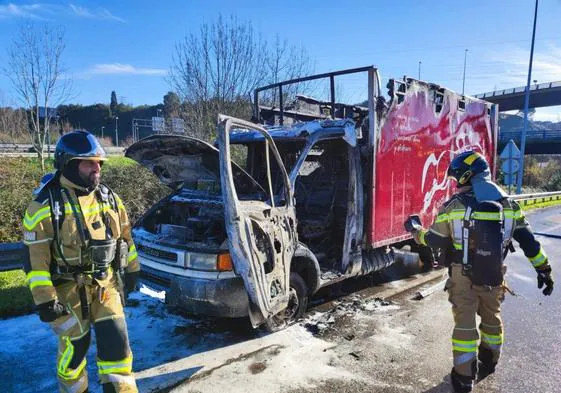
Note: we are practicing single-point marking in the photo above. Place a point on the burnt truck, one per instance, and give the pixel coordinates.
(306, 195)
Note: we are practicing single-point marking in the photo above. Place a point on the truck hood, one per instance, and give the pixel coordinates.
(185, 162)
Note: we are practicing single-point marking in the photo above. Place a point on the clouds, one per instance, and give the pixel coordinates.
(510, 66)
(45, 11)
(121, 69)
(100, 13)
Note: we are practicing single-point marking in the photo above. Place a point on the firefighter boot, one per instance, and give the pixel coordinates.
(486, 364)
(461, 383)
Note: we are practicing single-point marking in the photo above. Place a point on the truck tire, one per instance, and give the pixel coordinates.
(297, 304)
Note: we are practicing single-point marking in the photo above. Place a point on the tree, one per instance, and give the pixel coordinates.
(114, 104)
(172, 104)
(216, 71)
(34, 67)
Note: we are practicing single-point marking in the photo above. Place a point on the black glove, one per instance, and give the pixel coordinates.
(52, 310)
(413, 223)
(544, 278)
(131, 281)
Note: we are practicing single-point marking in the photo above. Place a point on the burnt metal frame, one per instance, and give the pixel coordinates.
(330, 75)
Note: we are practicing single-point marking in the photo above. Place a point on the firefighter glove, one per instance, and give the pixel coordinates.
(131, 281)
(544, 278)
(413, 223)
(52, 310)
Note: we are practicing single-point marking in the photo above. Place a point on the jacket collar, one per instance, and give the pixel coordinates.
(77, 189)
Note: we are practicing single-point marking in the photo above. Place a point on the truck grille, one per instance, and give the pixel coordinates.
(167, 255)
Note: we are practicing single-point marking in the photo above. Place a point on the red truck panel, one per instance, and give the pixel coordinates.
(414, 149)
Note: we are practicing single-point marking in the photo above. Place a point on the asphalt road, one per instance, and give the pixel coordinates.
(407, 349)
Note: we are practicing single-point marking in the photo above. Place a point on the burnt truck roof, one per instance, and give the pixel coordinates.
(317, 129)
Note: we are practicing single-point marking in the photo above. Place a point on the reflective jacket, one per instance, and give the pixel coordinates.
(47, 266)
(446, 231)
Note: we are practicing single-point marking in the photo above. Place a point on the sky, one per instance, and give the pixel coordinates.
(127, 46)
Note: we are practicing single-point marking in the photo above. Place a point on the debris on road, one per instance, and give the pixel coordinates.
(429, 291)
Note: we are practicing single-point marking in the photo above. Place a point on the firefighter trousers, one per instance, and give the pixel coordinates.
(467, 301)
(114, 357)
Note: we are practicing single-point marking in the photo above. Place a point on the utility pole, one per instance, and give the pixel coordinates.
(526, 105)
(464, 79)
(419, 71)
(117, 130)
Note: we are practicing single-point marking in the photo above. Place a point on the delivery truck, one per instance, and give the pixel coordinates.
(305, 195)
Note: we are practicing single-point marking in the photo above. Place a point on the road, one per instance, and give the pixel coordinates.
(350, 341)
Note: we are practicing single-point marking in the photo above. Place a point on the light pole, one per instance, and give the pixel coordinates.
(526, 105)
(102, 127)
(158, 111)
(464, 79)
(117, 130)
(419, 71)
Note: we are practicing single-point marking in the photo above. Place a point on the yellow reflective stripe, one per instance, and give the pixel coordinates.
(442, 218)
(132, 253)
(422, 234)
(458, 246)
(470, 159)
(486, 216)
(464, 346)
(492, 338)
(457, 214)
(66, 357)
(30, 222)
(39, 283)
(39, 278)
(539, 259)
(38, 273)
(119, 366)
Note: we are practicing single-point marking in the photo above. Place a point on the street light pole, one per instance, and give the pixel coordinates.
(464, 79)
(102, 127)
(419, 71)
(526, 105)
(117, 130)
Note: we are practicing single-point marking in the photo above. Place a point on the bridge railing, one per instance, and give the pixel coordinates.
(535, 134)
(13, 256)
(521, 89)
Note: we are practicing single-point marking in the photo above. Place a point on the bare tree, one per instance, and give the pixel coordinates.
(36, 71)
(217, 70)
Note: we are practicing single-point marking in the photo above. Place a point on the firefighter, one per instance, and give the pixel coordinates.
(82, 263)
(474, 229)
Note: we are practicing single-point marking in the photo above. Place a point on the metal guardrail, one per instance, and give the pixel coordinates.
(535, 135)
(13, 256)
(521, 89)
(28, 148)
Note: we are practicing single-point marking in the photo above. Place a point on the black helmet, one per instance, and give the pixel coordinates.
(80, 145)
(466, 165)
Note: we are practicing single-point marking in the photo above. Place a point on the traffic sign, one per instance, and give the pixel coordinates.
(510, 151)
(510, 166)
(510, 180)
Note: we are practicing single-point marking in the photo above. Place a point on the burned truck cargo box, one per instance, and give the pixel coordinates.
(257, 223)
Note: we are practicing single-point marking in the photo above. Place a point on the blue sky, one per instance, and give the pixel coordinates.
(127, 46)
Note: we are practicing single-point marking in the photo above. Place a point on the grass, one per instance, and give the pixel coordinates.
(15, 297)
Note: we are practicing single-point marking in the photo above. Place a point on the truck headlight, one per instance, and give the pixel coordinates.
(200, 261)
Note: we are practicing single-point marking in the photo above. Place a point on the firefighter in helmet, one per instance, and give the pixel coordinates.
(474, 229)
(83, 262)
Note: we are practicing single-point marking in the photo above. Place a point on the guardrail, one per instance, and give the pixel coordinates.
(535, 135)
(13, 256)
(15, 148)
(521, 89)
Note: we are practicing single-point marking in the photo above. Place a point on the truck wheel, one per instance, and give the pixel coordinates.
(297, 304)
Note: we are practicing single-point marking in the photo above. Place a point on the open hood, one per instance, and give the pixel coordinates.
(181, 161)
